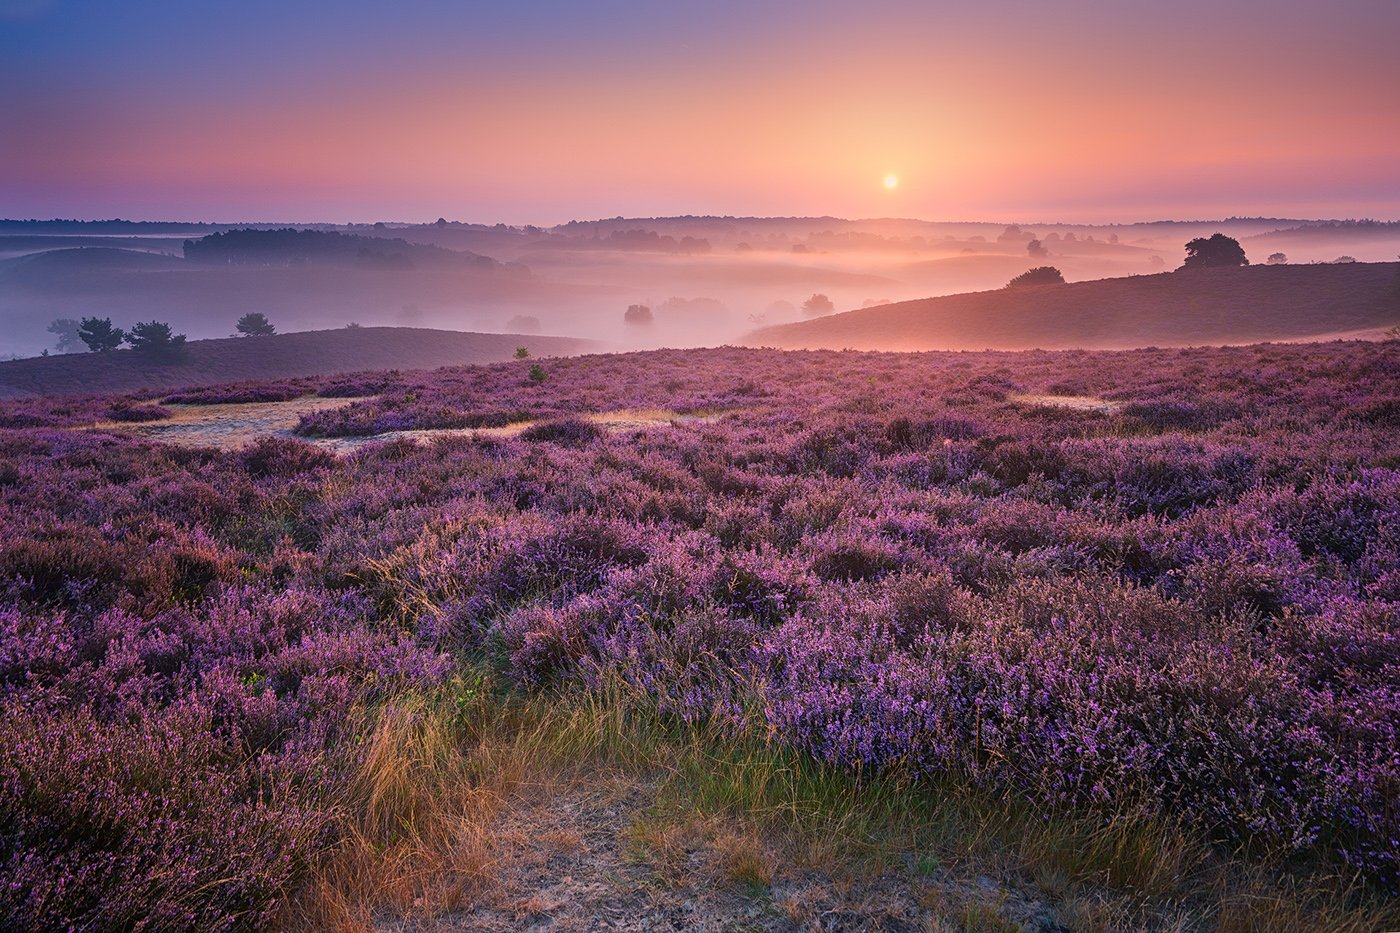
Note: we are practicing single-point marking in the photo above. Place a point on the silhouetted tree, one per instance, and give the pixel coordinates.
(66, 330)
(1215, 250)
(99, 334)
(1040, 275)
(637, 314)
(817, 305)
(524, 324)
(1277, 259)
(1345, 259)
(156, 340)
(255, 324)
(1036, 250)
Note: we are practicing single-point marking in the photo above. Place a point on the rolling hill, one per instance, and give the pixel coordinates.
(309, 353)
(1212, 306)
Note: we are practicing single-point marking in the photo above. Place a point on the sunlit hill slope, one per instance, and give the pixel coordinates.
(1210, 306)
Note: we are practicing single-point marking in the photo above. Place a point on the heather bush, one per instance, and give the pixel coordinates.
(280, 456)
(566, 432)
(128, 411)
(1187, 608)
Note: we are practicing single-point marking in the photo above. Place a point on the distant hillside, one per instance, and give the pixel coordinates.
(310, 353)
(1213, 306)
(41, 266)
(291, 246)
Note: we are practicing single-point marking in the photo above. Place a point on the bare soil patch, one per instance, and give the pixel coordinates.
(235, 425)
(226, 426)
(1087, 403)
(596, 857)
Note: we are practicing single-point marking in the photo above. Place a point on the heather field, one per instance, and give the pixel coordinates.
(1037, 640)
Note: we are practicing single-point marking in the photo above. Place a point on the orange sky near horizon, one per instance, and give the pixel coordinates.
(1147, 118)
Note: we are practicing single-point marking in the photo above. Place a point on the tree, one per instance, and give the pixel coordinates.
(1344, 259)
(817, 305)
(1040, 275)
(99, 334)
(255, 324)
(1036, 250)
(637, 314)
(156, 340)
(522, 353)
(66, 330)
(537, 374)
(1217, 250)
(1277, 259)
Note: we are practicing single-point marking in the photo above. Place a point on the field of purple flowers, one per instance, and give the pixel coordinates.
(1180, 597)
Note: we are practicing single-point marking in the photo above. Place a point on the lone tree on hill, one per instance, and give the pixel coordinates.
(155, 339)
(1217, 250)
(99, 334)
(817, 305)
(1040, 275)
(1277, 259)
(637, 314)
(255, 324)
(1036, 250)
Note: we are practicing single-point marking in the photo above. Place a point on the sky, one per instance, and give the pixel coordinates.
(542, 111)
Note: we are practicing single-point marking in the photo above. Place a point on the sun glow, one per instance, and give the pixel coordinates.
(891, 182)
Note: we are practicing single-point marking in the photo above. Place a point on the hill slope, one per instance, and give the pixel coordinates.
(1213, 306)
(309, 353)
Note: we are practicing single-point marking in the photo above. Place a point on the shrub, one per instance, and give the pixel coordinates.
(1040, 275)
(566, 432)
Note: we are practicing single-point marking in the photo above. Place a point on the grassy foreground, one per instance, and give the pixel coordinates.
(441, 768)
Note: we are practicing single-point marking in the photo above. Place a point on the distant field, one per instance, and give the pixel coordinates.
(311, 353)
(1216, 306)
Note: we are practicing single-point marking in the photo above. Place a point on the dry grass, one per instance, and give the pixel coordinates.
(437, 773)
(743, 858)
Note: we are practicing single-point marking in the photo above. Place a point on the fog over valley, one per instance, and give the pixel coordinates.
(702, 281)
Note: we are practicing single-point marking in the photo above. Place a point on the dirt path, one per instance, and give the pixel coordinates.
(598, 858)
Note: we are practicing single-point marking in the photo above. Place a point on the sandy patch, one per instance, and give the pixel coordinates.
(618, 422)
(1087, 403)
(226, 426)
(231, 426)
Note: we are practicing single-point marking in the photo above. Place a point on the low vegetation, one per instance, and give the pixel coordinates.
(887, 613)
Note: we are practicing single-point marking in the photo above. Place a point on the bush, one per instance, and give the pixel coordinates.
(566, 432)
(128, 411)
(1040, 275)
(283, 457)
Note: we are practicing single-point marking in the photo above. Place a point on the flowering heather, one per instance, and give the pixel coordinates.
(1182, 599)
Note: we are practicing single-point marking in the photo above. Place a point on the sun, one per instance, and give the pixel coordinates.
(891, 182)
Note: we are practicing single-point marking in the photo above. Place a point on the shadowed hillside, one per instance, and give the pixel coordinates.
(1213, 306)
(310, 353)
